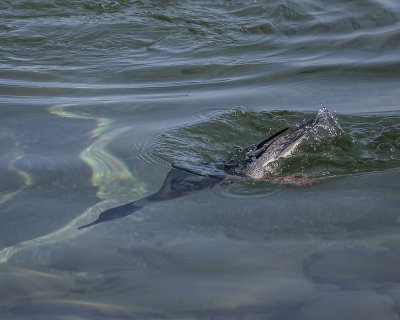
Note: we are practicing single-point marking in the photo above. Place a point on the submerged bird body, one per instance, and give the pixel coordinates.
(180, 182)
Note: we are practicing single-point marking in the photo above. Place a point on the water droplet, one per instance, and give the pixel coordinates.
(325, 172)
(397, 142)
(385, 148)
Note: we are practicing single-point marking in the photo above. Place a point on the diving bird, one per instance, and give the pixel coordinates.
(272, 149)
(179, 181)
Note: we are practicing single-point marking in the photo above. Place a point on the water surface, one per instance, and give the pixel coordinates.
(99, 98)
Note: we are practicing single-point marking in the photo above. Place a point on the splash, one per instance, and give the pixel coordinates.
(328, 127)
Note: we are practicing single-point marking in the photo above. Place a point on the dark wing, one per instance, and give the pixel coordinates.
(114, 213)
(263, 145)
(177, 184)
(271, 137)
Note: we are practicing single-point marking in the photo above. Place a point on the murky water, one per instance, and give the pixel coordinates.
(98, 99)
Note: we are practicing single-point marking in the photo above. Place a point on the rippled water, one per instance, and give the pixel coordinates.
(99, 98)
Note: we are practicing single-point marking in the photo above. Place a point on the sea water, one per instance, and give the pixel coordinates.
(99, 98)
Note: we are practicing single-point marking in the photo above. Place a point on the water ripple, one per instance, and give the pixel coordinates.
(190, 45)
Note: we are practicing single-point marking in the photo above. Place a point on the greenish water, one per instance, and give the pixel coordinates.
(99, 98)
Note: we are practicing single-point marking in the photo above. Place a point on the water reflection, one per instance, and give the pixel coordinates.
(106, 170)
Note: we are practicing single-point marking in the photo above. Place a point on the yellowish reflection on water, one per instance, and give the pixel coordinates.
(109, 174)
(26, 181)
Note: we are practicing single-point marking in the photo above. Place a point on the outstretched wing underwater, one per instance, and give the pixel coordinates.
(177, 183)
(180, 182)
